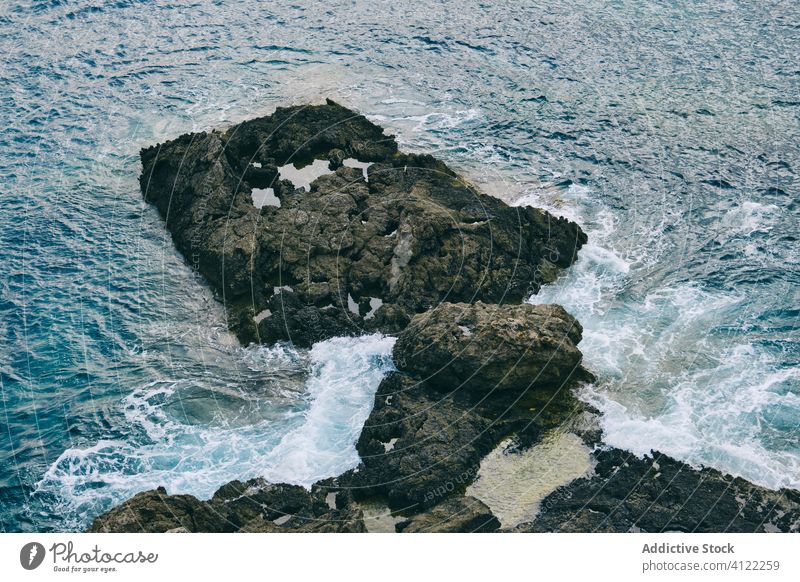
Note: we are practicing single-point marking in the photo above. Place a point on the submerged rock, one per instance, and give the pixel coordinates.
(412, 235)
(513, 481)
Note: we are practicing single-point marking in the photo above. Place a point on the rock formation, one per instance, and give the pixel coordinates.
(468, 375)
(455, 515)
(254, 506)
(424, 440)
(349, 253)
(414, 250)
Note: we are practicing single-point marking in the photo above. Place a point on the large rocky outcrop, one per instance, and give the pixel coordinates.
(347, 254)
(422, 445)
(413, 250)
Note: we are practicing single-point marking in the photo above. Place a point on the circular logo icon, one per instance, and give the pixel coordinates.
(31, 555)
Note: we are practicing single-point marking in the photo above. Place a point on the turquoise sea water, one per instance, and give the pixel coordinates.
(670, 131)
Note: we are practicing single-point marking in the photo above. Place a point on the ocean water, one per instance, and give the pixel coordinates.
(669, 130)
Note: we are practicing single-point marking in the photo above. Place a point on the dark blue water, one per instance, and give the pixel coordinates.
(669, 130)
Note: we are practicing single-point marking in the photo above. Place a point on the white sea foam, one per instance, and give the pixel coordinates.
(298, 445)
(751, 217)
(670, 379)
(432, 120)
(719, 417)
(341, 388)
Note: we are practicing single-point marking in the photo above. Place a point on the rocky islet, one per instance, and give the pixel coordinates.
(350, 253)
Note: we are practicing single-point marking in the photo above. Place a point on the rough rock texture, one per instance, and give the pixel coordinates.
(455, 515)
(413, 235)
(425, 438)
(254, 506)
(155, 512)
(657, 494)
(350, 254)
(490, 349)
(423, 442)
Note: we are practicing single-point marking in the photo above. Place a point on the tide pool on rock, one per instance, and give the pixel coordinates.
(513, 483)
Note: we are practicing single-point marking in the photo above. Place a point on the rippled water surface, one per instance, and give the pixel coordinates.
(670, 130)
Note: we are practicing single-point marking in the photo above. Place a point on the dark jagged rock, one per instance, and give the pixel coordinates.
(659, 493)
(416, 448)
(253, 506)
(455, 515)
(348, 255)
(426, 436)
(330, 522)
(156, 512)
(413, 235)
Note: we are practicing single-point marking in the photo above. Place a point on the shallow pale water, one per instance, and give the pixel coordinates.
(669, 130)
(514, 483)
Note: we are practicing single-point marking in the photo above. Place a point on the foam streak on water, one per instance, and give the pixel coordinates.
(198, 458)
(677, 372)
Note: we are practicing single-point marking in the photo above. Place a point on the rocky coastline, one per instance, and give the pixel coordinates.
(398, 243)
